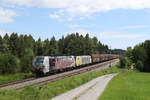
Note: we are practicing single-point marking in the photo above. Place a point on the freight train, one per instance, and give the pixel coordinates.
(43, 65)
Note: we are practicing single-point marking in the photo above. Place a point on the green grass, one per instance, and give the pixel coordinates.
(52, 89)
(128, 85)
(14, 77)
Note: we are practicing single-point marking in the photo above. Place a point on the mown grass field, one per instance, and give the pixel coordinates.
(128, 85)
(15, 77)
(52, 89)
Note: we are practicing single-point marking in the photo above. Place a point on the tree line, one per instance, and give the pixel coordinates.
(138, 57)
(18, 51)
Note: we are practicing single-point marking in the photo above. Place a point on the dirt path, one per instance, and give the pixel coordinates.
(89, 91)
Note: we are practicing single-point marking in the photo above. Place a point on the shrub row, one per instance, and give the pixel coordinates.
(139, 57)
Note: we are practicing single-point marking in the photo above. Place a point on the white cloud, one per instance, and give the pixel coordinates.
(76, 26)
(113, 35)
(81, 7)
(73, 26)
(108, 35)
(6, 15)
(85, 5)
(13, 3)
(133, 27)
(121, 40)
(54, 16)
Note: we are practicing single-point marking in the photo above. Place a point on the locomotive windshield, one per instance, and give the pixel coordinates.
(39, 60)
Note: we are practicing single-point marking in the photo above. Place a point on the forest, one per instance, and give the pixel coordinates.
(18, 51)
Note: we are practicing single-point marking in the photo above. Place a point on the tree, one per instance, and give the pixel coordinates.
(139, 57)
(61, 45)
(6, 42)
(118, 51)
(3, 45)
(95, 45)
(39, 48)
(88, 45)
(46, 47)
(26, 60)
(53, 49)
(9, 64)
(21, 46)
(14, 44)
(146, 46)
(16, 48)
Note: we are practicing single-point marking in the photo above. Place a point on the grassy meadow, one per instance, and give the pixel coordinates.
(54, 88)
(128, 85)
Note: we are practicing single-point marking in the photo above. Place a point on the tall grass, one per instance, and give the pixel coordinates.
(128, 85)
(52, 89)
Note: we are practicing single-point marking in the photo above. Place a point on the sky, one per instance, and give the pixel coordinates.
(117, 23)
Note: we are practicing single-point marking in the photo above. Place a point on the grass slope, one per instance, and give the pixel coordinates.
(128, 85)
(15, 77)
(52, 89)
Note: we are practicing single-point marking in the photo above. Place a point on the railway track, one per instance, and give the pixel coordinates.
(47, 79)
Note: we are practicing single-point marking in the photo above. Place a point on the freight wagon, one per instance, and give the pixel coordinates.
(83, 60)
(47, 64)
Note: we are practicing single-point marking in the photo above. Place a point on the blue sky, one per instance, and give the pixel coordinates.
(117, 23)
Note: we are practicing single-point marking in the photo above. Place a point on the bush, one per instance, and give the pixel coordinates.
(146, 46)
(139, 65)
(122, 62)
(9, 64)
(125, 62)
(139, 56)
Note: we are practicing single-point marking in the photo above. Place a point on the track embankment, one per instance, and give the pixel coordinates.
(47, 79)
